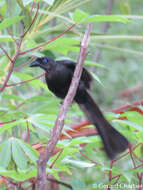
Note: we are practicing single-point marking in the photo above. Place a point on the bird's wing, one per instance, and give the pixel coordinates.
(85, 77)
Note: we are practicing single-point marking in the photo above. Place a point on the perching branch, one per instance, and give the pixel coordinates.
(56, 131)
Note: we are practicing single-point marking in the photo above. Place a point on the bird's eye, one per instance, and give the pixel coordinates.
(45, 60)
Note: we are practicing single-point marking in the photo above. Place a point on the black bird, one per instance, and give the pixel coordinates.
(58, 78)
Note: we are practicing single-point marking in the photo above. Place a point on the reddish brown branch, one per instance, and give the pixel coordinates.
(126, 107)
(5, 53)
(56, 131)
(23, 82)
(130, 151)
(45, 43)
(32, 7)
(140, 182)
(56, 158)
(6, 122)
(10, 33)
(11, 69)
(23, 35)
(11, 66)
(140, 165)
(127, 93)
(110, 171)
(119, 175)
(18, 43)
(89, 159)
(132, 158)
(60, 183)
(19, 67)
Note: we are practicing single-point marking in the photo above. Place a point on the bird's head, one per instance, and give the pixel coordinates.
(46, 63)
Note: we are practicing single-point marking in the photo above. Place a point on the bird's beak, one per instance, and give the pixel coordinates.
(35, 64)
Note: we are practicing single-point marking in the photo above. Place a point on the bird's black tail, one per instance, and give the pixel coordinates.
(113, 141)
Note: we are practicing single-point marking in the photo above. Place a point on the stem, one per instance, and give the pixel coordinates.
(56, 131)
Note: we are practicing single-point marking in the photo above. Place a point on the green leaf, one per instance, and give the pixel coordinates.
(42, 121)
(92, 63)
(5, 154)
(26, 2)
(50, 2)
(3, 7)
(30, 43)
(67, 151)
(5, 38)
(36, 83)
(125, 8)
(38, 98)
(18, 155)
(134, 117)
(35, 53)
(79, 15)
(63, 45)
(9, 21)
(79, 140)
(127, 175)
(27, 16)
(12, 97)
(104, 18)
(79, 163)
(139, 149)
(30, 152)
(96, 78)
(131, 124)
(10, 125)
(18, 175)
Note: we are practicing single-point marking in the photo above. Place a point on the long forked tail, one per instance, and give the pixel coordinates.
(114, 142)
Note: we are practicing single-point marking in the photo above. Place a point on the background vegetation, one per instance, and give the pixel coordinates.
(28, 110)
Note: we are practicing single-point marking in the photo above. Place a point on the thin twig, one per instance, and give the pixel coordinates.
(24, 82)
(92, 161)
(110, 171)
(6, 122)
(132, 158)
(10, 33)
(18, 43)
(140, 182)
(5, 53)
(23, 65)
(45, 43)
(60, 183)
(56, 158)
(20, 66)
(32, 7)
(127, 106)
(33, 20)
(56, 131)
(11, 66)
